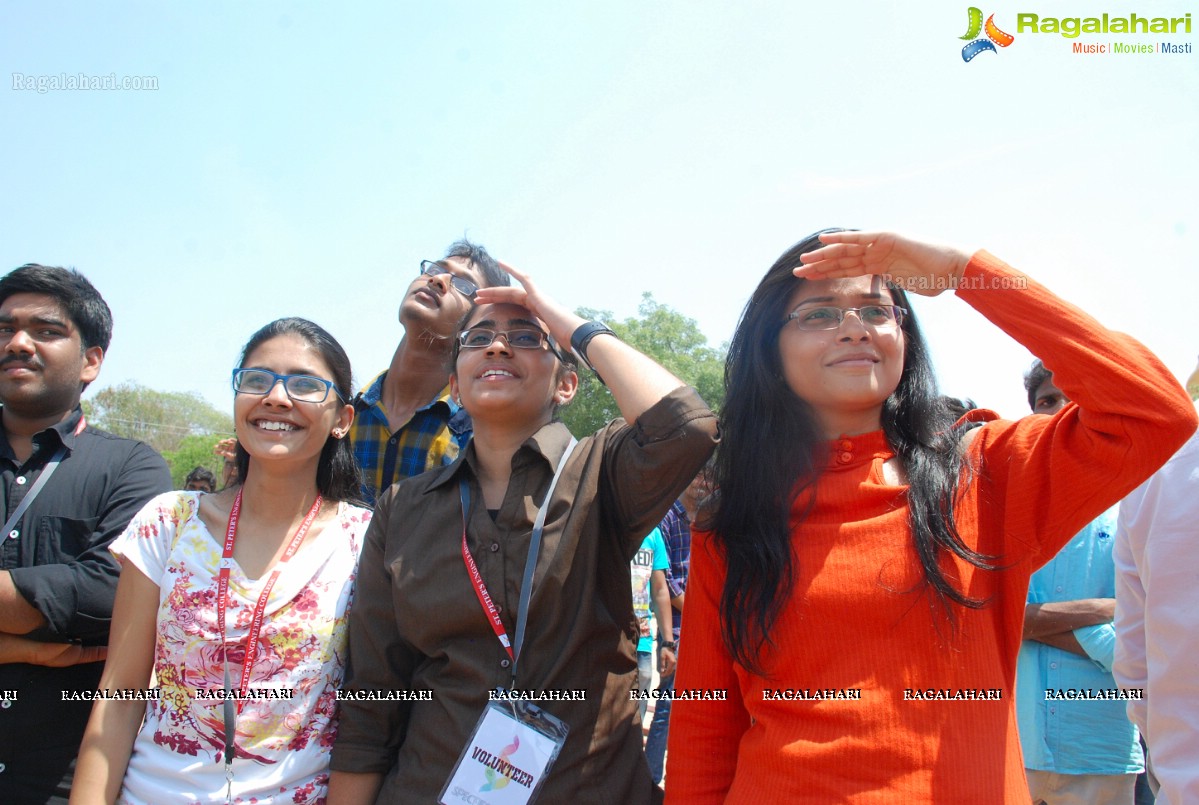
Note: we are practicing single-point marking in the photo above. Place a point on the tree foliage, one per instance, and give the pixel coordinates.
(161, 419)
(667, 336)
(194, 451)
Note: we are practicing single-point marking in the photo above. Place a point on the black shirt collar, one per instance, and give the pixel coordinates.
(64, 433)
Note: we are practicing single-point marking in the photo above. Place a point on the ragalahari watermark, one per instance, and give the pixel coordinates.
(74, 82)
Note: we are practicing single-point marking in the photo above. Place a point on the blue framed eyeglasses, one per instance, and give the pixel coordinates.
(299, 388)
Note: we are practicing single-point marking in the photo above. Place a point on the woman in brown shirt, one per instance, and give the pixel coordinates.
(419, 628)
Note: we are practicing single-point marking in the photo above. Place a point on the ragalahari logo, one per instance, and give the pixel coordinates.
(993, 37)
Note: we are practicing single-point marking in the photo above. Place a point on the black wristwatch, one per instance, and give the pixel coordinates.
(582, 337)
(670, 644)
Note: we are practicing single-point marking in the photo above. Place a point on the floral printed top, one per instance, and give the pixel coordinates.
(286, 725)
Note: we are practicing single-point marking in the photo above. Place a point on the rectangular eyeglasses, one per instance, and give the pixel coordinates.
(299, 388)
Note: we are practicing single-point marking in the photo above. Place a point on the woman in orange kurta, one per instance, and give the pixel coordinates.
(859, 589)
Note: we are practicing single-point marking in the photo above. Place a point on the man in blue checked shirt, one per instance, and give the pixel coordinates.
(406, 420)
(1079, 745)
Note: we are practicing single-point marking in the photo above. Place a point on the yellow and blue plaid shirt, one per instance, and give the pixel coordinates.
(432, 438)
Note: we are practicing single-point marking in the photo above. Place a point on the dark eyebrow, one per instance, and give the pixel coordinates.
(8, 318)
(491, 323)
(295, 371)
(826, 299)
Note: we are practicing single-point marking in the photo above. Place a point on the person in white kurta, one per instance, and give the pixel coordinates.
(1157, 641)
(283, 743)
(238, 591)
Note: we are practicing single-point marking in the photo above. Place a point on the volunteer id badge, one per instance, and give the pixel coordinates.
(506, 759)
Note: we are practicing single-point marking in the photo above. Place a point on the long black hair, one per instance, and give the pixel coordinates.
(337, 475)
(772, 451)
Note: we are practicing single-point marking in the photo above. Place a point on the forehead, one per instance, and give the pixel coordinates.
(288, 353)
(502, 315)
(34, 306)
(839, 291)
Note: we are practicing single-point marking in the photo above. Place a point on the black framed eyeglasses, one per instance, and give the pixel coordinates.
(299, 388)
(517, 338)
(828, 317)
(464, 286)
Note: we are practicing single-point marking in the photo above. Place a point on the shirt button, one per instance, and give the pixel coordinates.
(393, 440)
(845, 458)
(6, 704)
(495, 546)
(21, 480)
(846, 444)
(1053, 665)
(1058, 588)
(505, 663)
(14, 534)
(2, 768)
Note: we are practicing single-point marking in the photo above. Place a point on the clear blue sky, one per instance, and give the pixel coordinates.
(302, 158)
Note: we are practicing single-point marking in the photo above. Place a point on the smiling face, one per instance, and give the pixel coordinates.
(432, 305)
(43, 365)
(273, 427)
(502, 383)
(845, 373)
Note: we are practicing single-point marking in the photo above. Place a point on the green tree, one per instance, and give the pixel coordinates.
(161, 419)
(194, 451)
(667, 336)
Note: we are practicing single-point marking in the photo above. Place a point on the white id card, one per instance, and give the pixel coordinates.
(512, 748)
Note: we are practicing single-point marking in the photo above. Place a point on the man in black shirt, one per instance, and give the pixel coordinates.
(57, 577)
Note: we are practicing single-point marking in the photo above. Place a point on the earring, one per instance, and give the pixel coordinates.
(338, 433)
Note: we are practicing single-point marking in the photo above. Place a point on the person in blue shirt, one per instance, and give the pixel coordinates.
(651, 601)
(1079, 745)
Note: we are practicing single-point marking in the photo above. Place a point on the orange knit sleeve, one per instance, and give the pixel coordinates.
(1044, 478)
(704, 734)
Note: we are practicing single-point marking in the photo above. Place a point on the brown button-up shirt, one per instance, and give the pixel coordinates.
(417, 625)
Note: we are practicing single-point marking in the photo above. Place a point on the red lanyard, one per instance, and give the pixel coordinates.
(260, 607)
(526, 587)
(484, 597)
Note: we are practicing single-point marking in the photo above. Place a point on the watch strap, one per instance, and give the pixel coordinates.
(582, 337)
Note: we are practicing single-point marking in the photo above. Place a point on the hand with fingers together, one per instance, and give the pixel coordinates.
(923, 268)
(561, 321)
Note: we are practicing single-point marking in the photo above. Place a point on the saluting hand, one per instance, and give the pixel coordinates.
(917, 267)
(560, 320)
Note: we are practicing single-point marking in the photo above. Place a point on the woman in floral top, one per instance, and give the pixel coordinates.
(267, 623)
